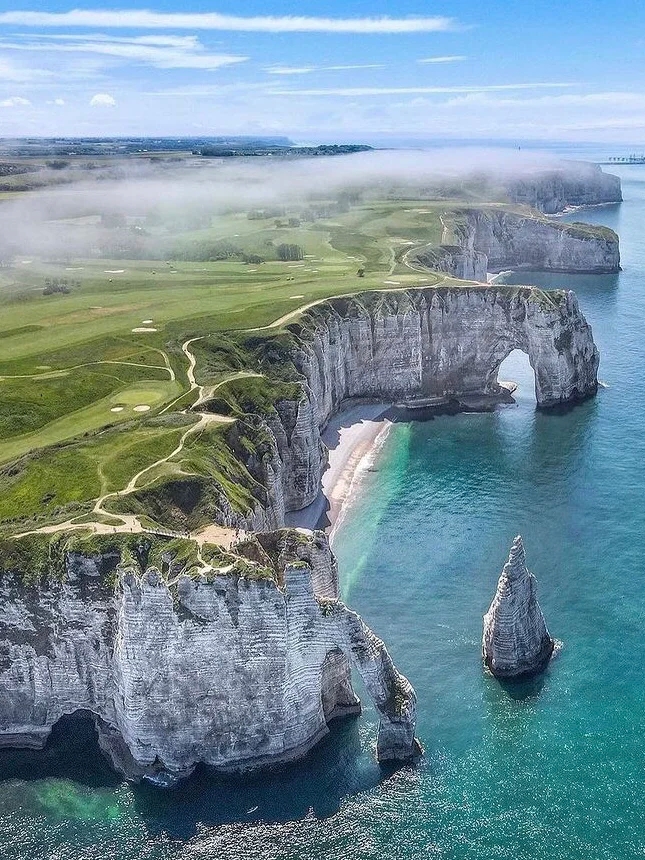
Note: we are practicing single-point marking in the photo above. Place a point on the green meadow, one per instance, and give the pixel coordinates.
(94, 381)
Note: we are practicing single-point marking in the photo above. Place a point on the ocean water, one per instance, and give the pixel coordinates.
(552, 769)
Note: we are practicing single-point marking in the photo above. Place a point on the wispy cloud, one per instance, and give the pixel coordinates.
(290, 70)
(146, 19)
(306, 70)
(164, 52)
(10, 73)
(388, 91)
(15, 101)
(457, 58)
(209, 90)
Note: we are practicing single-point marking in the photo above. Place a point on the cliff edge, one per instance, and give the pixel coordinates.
(491, 239)
(236, 664)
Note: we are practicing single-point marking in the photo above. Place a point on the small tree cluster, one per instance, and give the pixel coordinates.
(59, 285)
(288, 252)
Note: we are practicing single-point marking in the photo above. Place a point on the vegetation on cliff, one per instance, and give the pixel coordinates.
(98, 422)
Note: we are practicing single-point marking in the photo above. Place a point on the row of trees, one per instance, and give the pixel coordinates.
(205, 251)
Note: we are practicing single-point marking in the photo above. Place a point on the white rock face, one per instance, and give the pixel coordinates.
(491, 240)
(516, 641)
(513, 241)
(572, 184)
(439, 342)
(229, 671)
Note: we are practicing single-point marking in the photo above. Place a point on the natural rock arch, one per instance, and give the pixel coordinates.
(437, 344)
(445, 342)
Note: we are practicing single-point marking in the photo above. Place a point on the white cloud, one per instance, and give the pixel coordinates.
(18, 75)
(290, 70)
(15, 101)
(57, 102)
(457, 58)
(169, 52)
(355, 92)
(305, 70)
(134, 18)
(102, 100)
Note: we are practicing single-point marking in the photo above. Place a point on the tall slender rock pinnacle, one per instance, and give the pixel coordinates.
(516, 640)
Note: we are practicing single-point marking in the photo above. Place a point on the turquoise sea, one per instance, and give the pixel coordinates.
(552, 769)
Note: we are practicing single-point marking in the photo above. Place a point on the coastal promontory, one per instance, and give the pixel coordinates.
(236, 659)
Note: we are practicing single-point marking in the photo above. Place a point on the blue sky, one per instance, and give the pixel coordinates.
(522, 70)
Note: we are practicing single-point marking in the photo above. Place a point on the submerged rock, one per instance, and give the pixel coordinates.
(516, 640)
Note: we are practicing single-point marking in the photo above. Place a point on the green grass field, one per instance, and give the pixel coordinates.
(93, 383)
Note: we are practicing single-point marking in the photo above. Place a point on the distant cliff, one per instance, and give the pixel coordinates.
(575, 183)
(239, 664)
(491, 239)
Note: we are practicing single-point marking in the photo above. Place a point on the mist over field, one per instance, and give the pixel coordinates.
(136, 209)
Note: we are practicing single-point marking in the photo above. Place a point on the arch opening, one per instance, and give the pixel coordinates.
(515, 370)
(72, 752)
(337, 694)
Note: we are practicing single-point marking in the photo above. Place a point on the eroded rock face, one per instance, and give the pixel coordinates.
(231, 671)
(516, 641)
(512, 241)
(573, 184)
(491, 240)
(442, 343)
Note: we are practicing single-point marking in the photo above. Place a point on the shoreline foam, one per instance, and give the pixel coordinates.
(353, 436)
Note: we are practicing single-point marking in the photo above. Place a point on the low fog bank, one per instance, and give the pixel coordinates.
(136, 208)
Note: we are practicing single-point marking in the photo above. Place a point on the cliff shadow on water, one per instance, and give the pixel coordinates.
(71, 752)
(316, 785)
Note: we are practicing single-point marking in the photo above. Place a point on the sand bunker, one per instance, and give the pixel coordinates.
(113, 271)
(139, 329)
(74, 268)
(146, 322)
(116, 409)
(396, 283)
(296, 297)
(141, 408)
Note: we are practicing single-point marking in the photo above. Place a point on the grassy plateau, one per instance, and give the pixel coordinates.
(113, 329)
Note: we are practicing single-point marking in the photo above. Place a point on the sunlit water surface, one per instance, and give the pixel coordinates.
(555, 769)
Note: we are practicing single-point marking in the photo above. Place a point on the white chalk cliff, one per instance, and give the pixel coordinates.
(571, 184)
(516, 641)
(232, 670)
(489, 239)
(445, 343)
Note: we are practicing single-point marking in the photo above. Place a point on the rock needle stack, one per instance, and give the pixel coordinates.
(516, 641)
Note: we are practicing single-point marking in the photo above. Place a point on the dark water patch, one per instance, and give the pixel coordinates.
(70, 753)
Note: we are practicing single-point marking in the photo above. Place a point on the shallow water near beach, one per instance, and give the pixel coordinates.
(551, 769)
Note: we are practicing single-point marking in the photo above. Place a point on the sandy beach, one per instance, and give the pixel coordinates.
(352, 437)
